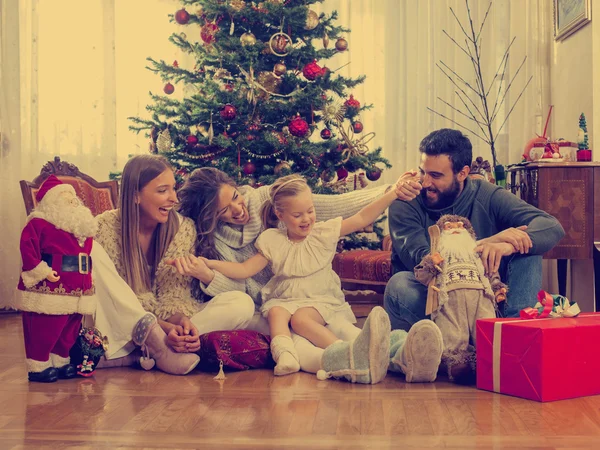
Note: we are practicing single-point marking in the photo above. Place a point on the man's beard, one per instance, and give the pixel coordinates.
(458, 246)
(445, 198)
(76, 219)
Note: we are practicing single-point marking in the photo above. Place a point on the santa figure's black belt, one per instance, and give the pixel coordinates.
(71, 263)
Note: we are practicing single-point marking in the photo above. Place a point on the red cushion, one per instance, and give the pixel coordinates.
(364, 265)
(238, 349)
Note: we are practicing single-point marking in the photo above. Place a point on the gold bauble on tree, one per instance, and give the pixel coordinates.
(281, 166)
(341, 45)
(270, 82)
(312, 20)
(247, 39)
(279, 69)
(237, 5)
(325, 40)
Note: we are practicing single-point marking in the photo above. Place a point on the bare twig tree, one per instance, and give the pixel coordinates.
(481, 103)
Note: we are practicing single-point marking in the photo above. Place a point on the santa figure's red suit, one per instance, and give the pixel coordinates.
(56, 279)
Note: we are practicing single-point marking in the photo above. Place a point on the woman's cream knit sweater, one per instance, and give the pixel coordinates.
(171, 292)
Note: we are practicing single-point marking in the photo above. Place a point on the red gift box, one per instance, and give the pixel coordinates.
(539, 359)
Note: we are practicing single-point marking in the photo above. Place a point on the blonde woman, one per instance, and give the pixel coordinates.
(139, 237)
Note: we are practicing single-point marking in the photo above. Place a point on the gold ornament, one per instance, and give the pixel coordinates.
(312, 20)
(328, 175)
(325, 40)
(281, 166)
(237, 5)
(333, 111)
(341, 45)
(247, 39)
(163, 142)
(279, 43)
(221, 73)
(202, 129)
(279, 69)
(270, 82)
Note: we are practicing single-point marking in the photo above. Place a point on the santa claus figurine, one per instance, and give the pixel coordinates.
(459, 292)
(56, 280)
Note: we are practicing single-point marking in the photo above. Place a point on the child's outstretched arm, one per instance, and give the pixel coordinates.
(239, 271)
(192, 266)
(371, 212)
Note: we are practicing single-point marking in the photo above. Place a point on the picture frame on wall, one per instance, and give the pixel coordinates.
(570, 16)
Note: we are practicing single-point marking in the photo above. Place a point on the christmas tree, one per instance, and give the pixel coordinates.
(582, 138)
(263, 104)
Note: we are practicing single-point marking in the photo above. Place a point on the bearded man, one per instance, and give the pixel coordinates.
(513, 235)
(459, 294)
(56, 282)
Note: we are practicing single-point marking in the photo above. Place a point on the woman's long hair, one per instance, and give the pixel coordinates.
(284, 187)
(137, 173)
(199, 200)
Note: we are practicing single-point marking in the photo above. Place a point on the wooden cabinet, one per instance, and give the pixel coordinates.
(571, 193)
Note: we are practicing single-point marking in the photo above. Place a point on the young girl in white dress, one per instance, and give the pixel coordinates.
(304, 292)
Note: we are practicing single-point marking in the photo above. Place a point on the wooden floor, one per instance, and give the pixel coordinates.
(127, 408)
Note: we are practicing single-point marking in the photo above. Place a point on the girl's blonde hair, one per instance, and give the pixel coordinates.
(137, 173)
(285, 187)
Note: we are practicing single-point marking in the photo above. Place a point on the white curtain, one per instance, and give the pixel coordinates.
(71, 73)
(397, 44)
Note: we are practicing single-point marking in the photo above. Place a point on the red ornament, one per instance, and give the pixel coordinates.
(352, 105)
(326, 133)
(341, 147)
(312, 70)
(298, 126)
(342, 173)
(229, 87)
(357, 127)
(249, 168)
(228, 112)
(374, 174)
(169, 89)
(182, 17)
(208, 31)
(191, 140)
(175, 63)
(324, 71)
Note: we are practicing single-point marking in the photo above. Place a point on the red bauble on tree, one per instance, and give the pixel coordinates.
(374, 174)
(208, 32)
(326, 133)
(182, 17)
(191, 140)
(169, 89)
(228, 112)
(298, 126)
(312, 70)
(357, 127)
(352, 105)
(342, 173)
(249, 168)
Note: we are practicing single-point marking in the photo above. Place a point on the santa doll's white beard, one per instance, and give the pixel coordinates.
(459, 246)
(64, 215)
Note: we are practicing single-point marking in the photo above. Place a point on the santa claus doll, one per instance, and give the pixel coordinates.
(459, 292)
(56, 281)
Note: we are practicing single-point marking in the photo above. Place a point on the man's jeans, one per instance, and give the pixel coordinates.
(405, 297)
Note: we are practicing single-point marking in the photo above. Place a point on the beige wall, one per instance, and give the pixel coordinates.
(573, 90)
